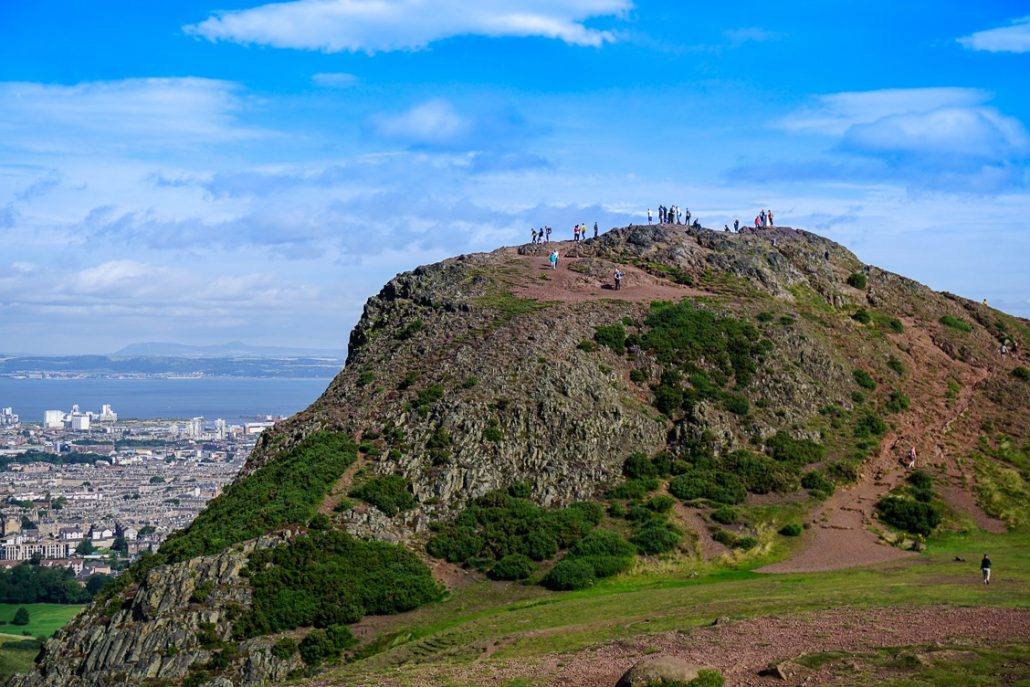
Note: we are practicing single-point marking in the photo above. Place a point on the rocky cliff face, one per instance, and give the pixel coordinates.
(482, 371)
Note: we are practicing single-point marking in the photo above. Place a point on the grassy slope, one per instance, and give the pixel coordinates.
(17, 651)
(534, 622)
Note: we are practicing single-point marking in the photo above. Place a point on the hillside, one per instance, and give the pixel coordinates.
(744, 400)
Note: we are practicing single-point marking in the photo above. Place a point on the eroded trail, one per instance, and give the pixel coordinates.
(840, 536)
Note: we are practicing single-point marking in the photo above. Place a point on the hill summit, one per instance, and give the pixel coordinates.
(499, 417)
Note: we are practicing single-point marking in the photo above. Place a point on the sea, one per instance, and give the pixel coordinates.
(234, 399)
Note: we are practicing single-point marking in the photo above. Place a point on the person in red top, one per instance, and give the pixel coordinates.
(758, 222)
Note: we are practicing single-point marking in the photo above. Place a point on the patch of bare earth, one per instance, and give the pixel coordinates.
(742, 649)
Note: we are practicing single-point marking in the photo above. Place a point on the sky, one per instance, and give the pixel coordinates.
(201, 173)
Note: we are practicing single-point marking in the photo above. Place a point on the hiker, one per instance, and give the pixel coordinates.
(575, 233)
(649, 215)
(758, 221)
(619, 274)
(533, 232)
(725, 227)
(770, 218)
(686, 216)
(736, 225)
(912, 458)
(762, 215)
(595, 230)
(985, 568)
(553, 258)
(548, 231)
(697, 224)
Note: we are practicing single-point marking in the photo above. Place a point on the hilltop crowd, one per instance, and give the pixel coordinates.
(673, 214)
(543, 235)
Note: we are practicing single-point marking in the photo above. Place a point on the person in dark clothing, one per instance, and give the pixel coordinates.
(595, 230)
(985, 568)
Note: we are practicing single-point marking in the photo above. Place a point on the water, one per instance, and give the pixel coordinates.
(233, 399)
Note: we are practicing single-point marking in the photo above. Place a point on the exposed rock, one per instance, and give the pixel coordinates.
(656, 670)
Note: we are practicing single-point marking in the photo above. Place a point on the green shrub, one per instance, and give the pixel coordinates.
(627, 320)
(1021, 373)
(657, 536)
(786, 449)
(720, 486)
(329, 578)
(457, 544)
(706, 678)
(896, 365)
(870, 424)
(727, 515)
(409, 379)
(724, 537)
(587, 345)
(638, 376)
(287, 490)
(603, 543)
(668, 393)
(633, 488)
(765, 317)
(617, 510)
(613, 336)
(791, 529)
(343, 505)
(439, 446)
(639, 465)
(514, 566)
(389, 493)
(470, 382)
(915, 517)
(736, 404)
(956, 323)
(745, 543)
(366, 377)
(895, 325)
(284, 648)
(898, 402)
(857, 280)
(920, 479)
(661, 503)
(410, 329)
(569, 574)
(324, 645)
(787, 320)
(429, 396)
(21, 617)
(202, 591)
(844, 471)
(858, 397)
(862, 316)
(863, 379)
(815, 482)
(607, 566)
(640, 513)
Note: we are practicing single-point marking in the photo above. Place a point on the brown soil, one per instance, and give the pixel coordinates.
(566, 285)
(741, 649)
(840, 535)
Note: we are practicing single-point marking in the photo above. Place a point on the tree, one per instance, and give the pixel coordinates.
(120, 545)
(27, 524)
(85, 547)
(21, 617)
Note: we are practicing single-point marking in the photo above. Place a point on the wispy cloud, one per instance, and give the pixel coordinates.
(387, 25)
(751, 34)
(1012, 38)
(122, 114)
(335, 80)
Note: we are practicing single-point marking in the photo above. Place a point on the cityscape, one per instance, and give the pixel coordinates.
(84, 490)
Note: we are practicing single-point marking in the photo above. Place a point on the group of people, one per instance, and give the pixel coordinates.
(670, 215)
(762, 219)
(543, 235)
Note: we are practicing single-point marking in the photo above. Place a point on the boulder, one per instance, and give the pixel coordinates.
(655, 670)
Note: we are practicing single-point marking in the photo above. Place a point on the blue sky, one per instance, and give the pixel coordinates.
(200, 172)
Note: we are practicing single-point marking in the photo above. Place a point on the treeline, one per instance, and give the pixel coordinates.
(53, 458)
(29, 583)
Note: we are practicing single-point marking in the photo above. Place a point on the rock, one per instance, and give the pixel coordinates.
(658, 669)
(784, 670)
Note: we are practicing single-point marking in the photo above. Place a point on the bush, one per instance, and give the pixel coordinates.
(657, 536)
(284, 648)
(896, 365)
(202, 591)
(569, 574)
(895, 325)
(633, 488)
(21, 617)
(706, 678)
(858, 397)
(323, 645)
(1021, 373)
(736, 404)
(428, 396)
(668, 393)
(745, 543)
(792, 529)
(639, 465)
(512, 567)
(388, 493)
(760, 474)
(870, 424)
(587, 345)
(661, 503)
(786, 449)
(607, 566)
(863, 379)
(603, 543)
(366, 377)
(638, 376)
(857, 280)
(920, 480)
(708, 484)
(815, 482)
(330, 578)
(287, 490)
(617, 510)
(898, 402)
(765, 317)
(915, 517)
(862, 316)
(956, 323)
(613, 336)
(724, 537)
(410, 329)
(725, 514)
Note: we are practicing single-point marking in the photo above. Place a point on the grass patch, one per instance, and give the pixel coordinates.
(391, 494)
(44, 619)
(956, 323)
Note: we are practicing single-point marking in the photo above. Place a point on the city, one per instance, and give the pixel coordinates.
(86, 491)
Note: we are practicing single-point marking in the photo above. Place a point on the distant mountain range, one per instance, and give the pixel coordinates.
(233, 349)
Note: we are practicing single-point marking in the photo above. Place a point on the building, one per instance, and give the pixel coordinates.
(53, 419)
(23, 551)
(79, 423)
(106, 414)
(196, 427)
(8, 418)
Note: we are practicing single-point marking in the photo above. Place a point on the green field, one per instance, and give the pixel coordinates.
(17, 653)
(528, 622)
(44, 619)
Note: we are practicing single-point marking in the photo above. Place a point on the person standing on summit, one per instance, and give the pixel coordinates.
(985, 568)
(595, 230)
(649, 215)
(770, 218)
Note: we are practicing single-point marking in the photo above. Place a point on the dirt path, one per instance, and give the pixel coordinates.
(586, 278)
(708, 547)
(840, 535)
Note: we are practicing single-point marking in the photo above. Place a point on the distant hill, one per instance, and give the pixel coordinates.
(231, 349)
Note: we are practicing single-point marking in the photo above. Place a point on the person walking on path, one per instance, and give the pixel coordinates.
(533, 232)
(985, 568)
(912, 458)
(553, 259)
(595, 230)
(619, 274)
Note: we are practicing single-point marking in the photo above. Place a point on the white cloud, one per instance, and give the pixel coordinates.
(750, 34)
(921, 121)
(119, 114)
(334, 80)
(434, 123)
(385, 25)
(1013, 38)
